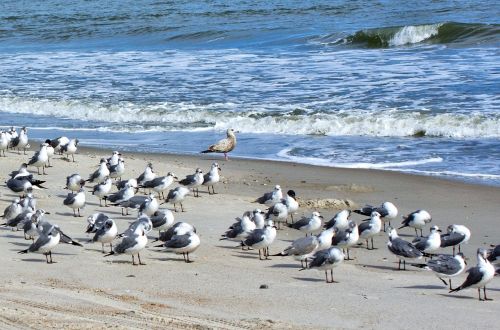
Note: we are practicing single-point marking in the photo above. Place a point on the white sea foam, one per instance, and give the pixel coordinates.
(189, 117)
(414, 34)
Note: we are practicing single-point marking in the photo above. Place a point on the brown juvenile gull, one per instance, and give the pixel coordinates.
(225, 145)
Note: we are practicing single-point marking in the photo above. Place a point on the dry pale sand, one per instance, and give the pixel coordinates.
(221, 288)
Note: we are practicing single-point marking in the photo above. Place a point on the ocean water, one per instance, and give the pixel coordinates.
(411, 87)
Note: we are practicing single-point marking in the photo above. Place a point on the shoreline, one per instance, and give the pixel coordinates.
(221, 288)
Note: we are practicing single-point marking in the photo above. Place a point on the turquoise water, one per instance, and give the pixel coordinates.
(361, 84)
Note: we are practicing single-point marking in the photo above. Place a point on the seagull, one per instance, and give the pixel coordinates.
(74, 182)
(291, 203)
(113, 160)
(58, 143)
(176, 196)
(370, 228)
(116, 171)
(143, 222)
(258, 218)
(310, 224)
(101, 173)
(122, 195)
(50, 152)
(278, 213)
(4, 143)
(162, 219)
(40, 159)
(430, 243)
(211, 178)
(346, 239)
(102, 190)
(24, 185)
(271, 198)
(480, 275)
(339, 220)
(402, 249)
(160, 184)
(301, 249)
(76, 201)
(179, 228)
(106, 234)
(21, 173)
(120, 184)
(261, 239)
(456, 235)
(494, 254)
(30, 226)
(132, 245)
(445, 265)
(150, 205)
(193, 181)
(147, 175)
(44, 227)
(185, 244)
(95, 221)
(326, 259)
(19, 219)
(45, 243)
(387, 211)
(225, 145)
(241, 229)
(416, 220)
(13, 209)
(21, 141)
(70, 148)
(134, 202)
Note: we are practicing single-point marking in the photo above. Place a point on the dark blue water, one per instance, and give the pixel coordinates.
(410, 87)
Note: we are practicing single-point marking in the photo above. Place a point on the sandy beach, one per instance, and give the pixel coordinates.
(221, 288)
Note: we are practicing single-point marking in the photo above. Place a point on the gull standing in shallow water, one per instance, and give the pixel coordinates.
(402, 249)
(445, 265)
(225, 145)
(480, 275)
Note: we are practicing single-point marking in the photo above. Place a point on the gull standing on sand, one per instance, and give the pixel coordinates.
(116, 171)
(291, 203)
(370, 228)
(30, 226)
(147, 175)
(70, 148)
(122, 195)
(106, 234)
(278, 213)
(24, 185)
(132, 245)
(134, 202)
(339, 220)
(176, 196)
(76, 201)
(387, 210)
(258, 218)
(261, 239)
(480, 275)
(193, 181)
(142, 222)
(430, 243)
(416, 220)
(456, 235)
(4, 143)
(211, 178)
(95, 221)
(162, 220)
(301, 249)
(160, 184)
(271, 198)
(310, 224)
(150, 205)
(74, 182)
(241, 229)
(445, 265)
(494, 256)
(101, 173)
(102, 190)
(225, 145)
(179, 228)
(45, 243)
(347, 238)
(40, 159)
(402, 249)
(120, 184)
(326, 260)
(185, 244)
(113, 160)
(13, 209)
(50, 152)
(21, 141)
(58, 143)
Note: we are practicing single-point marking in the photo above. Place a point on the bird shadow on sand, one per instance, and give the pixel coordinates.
(285, 266)
(427, 287)
(67, 214)
(41, 260)
(457, 296)
(378, 267)
(228, 247)
(308, 279)
(170, 259)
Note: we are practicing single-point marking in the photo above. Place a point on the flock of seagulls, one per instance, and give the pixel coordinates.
(324, 246)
